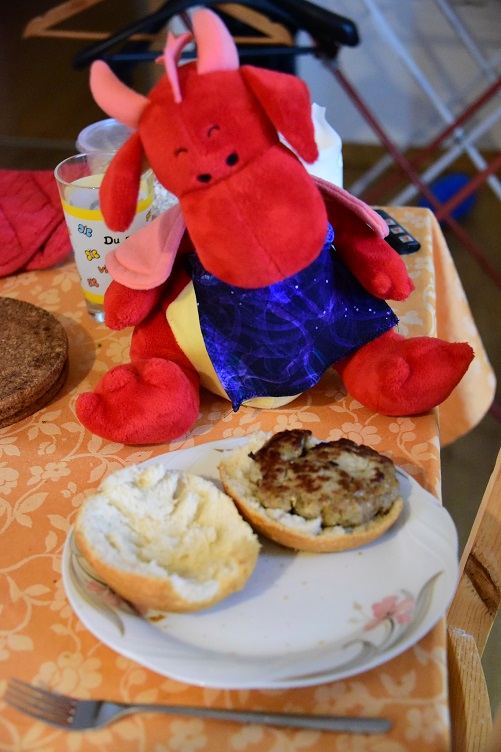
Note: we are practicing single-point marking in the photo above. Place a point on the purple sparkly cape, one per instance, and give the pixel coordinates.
(279, 340)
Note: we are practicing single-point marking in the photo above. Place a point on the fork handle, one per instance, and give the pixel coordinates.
(344, 724)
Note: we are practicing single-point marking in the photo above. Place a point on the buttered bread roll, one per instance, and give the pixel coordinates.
(311, 495)
(165, 539)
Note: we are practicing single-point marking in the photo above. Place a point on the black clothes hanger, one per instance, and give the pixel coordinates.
(328, 30)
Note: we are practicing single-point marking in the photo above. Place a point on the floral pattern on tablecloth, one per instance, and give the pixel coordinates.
(49, 461)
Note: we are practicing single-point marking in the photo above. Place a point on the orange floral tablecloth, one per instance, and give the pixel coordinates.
(48, 461)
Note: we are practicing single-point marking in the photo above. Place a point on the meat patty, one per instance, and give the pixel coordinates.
(342, 482)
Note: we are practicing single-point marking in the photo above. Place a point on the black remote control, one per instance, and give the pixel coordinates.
(398, 237)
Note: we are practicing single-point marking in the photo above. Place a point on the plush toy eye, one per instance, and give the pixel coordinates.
(179, 151)
(212, 129)
(232, 159)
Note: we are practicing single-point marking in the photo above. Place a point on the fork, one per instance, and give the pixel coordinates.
(73, 714)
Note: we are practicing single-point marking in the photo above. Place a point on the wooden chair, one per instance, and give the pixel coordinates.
(469, 621)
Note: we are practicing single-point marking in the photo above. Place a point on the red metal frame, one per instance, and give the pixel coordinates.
(408, 168)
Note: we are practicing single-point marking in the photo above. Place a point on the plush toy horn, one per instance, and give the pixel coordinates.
(170, 59)
(114, 97)
(216, 50)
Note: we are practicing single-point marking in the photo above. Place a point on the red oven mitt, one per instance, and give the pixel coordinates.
(33, 233)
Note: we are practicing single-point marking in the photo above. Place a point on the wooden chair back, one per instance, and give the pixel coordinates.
(469, 621)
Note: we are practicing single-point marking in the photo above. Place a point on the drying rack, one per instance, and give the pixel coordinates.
(453, 140)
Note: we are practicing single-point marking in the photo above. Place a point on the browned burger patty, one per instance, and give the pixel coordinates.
(310, 495)
(342, 482)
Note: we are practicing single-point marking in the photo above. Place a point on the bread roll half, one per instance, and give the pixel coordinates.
(240, 479)
(166, 540)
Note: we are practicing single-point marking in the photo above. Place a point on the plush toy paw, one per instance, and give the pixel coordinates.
(385, 286)
(125, 307)
(397, 376)
(145, 402)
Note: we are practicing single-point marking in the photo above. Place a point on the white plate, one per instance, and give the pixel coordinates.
(302, 618)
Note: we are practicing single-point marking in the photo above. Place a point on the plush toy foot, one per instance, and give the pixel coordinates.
(145, 402)
(397, 376)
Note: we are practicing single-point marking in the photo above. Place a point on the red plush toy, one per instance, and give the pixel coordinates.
(262, 277)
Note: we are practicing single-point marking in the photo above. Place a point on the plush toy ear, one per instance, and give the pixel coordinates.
(286, 101)
(120, 187)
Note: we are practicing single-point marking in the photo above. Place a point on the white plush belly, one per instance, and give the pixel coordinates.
(182, 316)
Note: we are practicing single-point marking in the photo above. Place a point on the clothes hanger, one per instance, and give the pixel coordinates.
(328, 30)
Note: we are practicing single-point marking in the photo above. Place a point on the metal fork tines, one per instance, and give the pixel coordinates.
(71, 713)
(40, 703)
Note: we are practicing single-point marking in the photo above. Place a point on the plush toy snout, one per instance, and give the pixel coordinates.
(193, 145)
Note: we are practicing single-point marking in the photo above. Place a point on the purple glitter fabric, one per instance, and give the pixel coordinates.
(279, 340)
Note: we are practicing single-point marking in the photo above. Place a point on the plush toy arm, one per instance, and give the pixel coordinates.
(125, 307)
(371, 260)
(120, 187)
(359, 241)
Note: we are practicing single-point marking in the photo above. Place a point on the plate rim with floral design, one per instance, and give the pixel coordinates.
(302, 619)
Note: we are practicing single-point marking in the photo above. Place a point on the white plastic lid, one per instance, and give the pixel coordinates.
(105, 135)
